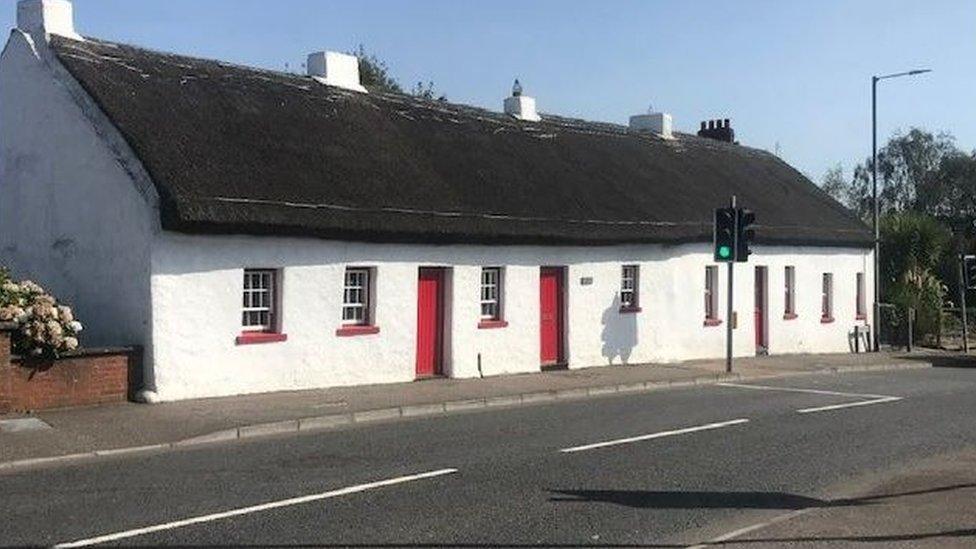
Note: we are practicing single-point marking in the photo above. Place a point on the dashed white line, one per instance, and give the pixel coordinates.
(253, 509)
(849, 405)
(654, 435)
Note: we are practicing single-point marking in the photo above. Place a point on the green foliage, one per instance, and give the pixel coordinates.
(918, 171)
(834, 184)
(912, 247)
(374, 74)
(426, 91)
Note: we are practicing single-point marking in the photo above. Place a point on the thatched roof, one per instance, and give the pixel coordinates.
(234, 149)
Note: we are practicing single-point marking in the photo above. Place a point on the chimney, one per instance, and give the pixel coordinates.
(720, 130)
(42, 18)
(521, 106)
(335, 69)
(658, 123)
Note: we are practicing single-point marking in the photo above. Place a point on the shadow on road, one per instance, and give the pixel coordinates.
(647, 499)
(692, 500)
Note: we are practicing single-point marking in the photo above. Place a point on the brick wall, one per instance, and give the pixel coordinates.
(91, 376)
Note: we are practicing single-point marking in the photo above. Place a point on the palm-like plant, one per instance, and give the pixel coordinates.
(912, 246)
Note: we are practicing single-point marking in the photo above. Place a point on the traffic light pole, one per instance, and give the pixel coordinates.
(728, 315)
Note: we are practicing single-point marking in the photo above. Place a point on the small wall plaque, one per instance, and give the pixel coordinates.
(586, 281)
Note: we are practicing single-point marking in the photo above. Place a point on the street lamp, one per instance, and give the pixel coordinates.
(874, 192)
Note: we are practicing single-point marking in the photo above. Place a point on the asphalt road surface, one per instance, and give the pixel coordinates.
(662, 469)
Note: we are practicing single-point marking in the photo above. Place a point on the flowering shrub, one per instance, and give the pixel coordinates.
(44, 328)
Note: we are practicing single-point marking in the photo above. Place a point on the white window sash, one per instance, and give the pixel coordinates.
(628, 286)
(491, 278)
(259, 295)
(356, 296)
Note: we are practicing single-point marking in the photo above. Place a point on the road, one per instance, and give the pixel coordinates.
(662, 469)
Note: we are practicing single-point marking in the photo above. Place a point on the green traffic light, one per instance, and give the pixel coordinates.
(724, 252)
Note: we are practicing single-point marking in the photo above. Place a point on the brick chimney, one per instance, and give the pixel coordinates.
(719, 130)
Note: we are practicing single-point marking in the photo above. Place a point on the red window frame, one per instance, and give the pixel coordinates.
(789, 284)
(630, 284)
(261, 294)
(358, 294)
(860, 305)
(711, 296)
(827, 298)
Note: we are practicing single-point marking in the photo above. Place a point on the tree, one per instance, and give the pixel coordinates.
(908, 172)
(833, 183)
(951, 194)
(374, 74)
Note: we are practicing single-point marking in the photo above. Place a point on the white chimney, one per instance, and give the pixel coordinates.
(521, 106)
(41, 18)
(335, 69)
(658, 123)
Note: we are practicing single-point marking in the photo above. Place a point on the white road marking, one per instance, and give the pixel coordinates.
(872, 399)
(742, 531)
(849, 405)
(254, 509)
(654, 435)
(796, 390)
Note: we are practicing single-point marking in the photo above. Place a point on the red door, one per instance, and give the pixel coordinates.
(551, 314)
(430, 321)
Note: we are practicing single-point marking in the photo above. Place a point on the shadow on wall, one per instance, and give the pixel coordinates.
(619, 333)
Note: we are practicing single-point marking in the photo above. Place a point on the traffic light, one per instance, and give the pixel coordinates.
(969, 271)
(725, 234)
(744, 234)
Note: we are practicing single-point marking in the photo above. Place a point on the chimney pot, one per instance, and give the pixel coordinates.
(335, 69)
(43, 18)
(521, 106)
(711, 124)
(703, 125)
(727, 125)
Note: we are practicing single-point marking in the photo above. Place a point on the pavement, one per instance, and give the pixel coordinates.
(878, 454)
(929, 504)
(130, 427)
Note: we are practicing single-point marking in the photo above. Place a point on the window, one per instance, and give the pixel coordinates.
(711, 296)
(827, 302)
(259, 313)
(259, 300)
(357, 302)
(355, 297)
(789, 303)
(629, 279)
(491, 293)
(860, 306)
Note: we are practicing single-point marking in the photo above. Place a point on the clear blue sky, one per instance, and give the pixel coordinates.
(796, 73)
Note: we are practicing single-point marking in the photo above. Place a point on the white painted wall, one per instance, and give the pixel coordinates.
(196, 296)
(78, 214)
(71, 218)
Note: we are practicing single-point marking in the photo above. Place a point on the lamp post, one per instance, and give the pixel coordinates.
(874, 194)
